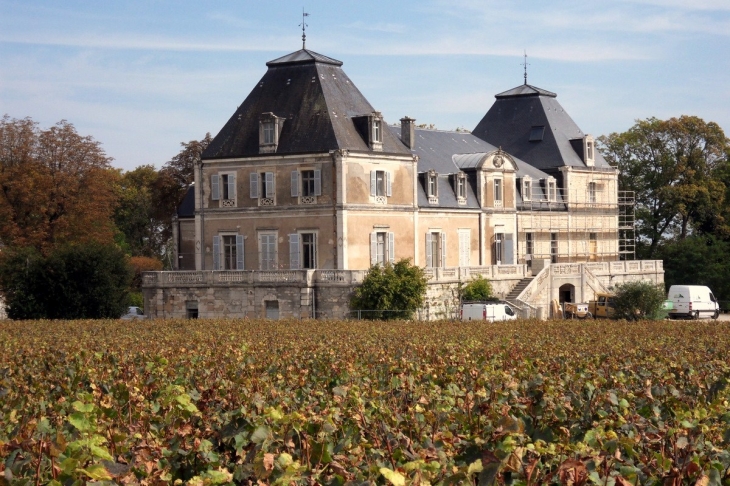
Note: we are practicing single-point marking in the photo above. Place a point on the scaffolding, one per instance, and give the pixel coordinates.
(583, 224)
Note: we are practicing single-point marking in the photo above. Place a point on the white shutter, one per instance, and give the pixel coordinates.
(215, 192)
(443, 250)
(216, 253)
(388, 188)
(231, 186)
(239, 252)
(294, 251)
(295, 183)
(317, 182)
(391, 247)
(464, 248)
(254, 185)
(429, 241)
(373, 182)
(269, 184)
(373, 248)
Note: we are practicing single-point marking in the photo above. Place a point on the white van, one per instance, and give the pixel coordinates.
(692, 302)
(480, 311)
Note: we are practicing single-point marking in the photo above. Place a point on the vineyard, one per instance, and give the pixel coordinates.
(326, 402)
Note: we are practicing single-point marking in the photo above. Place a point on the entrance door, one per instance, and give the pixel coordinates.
(272, 309)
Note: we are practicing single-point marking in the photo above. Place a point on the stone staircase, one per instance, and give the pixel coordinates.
(512, 296)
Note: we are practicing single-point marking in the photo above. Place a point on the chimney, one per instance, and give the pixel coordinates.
(408, 131)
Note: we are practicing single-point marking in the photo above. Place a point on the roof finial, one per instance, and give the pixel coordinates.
(304, 26)
(525, 64)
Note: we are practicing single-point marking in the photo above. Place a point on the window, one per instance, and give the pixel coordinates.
(432, 185)
(380, 184)
(551, 189)
(435, 249)
(464, 247)
(526, 189)
(228, 252)
(268, 253)
(554, 247)
(589, 150)
(461, 187)
(311, 184)
(591, 192)
(497, 193)
(503, 254)
(377, 131)
(262, 187)
(223, 187)
(268, 128)
(382, 247)
(592, 246)
(537, 133)
(303, 250)
(498, 250)
(529, 246)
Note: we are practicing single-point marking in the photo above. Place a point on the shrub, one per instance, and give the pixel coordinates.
(638, 300)
(88, 281)
(391, 291)
(479, 289)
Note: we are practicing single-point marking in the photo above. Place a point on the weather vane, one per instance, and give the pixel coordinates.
(304, 26)
(525, 64)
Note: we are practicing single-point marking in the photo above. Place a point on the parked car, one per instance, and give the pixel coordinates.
(480, 311)
(133, 312)
(692, 302)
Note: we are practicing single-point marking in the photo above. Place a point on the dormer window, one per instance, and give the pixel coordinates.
(589, 150)
(270, 127)
(461, 188)
(432, 189)
(551, 189)
(536, 133)
(526, 189)
(371, 129)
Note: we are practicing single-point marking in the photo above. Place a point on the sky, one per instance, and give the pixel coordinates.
(141, 77)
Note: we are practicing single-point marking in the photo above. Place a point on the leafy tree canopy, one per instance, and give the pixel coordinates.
(638, 300)
(391, 291)
(56, 186)
(675, 167)
(479, 289)
(82, 281)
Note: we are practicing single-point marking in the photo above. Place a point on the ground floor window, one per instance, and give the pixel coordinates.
(382, 247)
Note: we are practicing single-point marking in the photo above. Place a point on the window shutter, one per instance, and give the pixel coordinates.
(239, 252)
(373, 248)
(317, 182)
(443, 250)
(254, 185)
(215, 192)
(231, 186)
(508, 250)
(391, 247)
(388, 189)
(429, 256)
(294, 251)
(269, 184)
(216, 253)
(373, 182)
(295, 183)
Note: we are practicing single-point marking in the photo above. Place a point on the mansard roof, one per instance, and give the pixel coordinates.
(514, 114)
(317, 101)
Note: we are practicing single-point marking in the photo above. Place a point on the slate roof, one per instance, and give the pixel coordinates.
(515, 112)
(186, 209)
(317, 100)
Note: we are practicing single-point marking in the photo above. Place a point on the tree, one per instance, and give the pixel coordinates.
(56, 186)
(638, 300)
(81, 281)
(479, 289)
(391, 291)
(674, 169)
(698, 260)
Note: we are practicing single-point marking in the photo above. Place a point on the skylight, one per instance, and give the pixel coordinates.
(536, 133)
